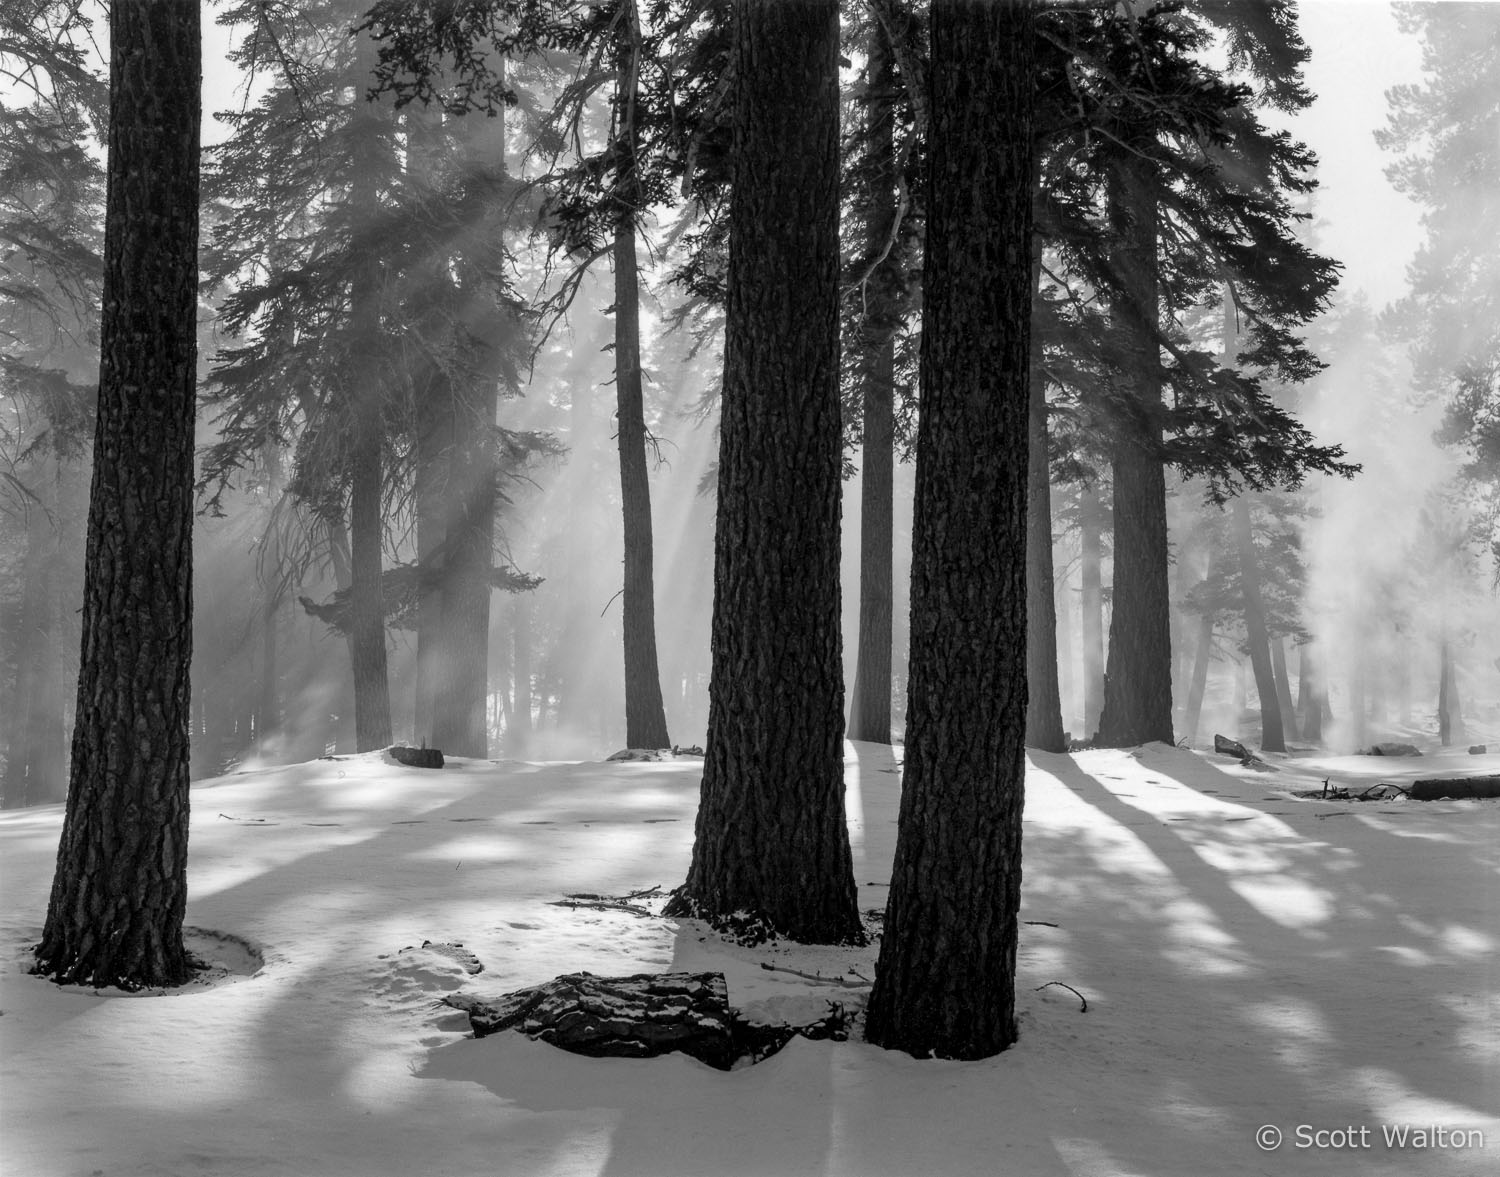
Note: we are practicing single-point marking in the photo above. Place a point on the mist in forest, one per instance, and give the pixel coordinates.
(1384, 598)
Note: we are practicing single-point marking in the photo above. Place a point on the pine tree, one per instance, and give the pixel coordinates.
(945, 977)
(771, 840)
(1447, 129)
(120, 890)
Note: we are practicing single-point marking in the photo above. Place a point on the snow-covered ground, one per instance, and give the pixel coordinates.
(1249, 959)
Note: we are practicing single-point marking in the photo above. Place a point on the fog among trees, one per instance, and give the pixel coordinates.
(566, 377)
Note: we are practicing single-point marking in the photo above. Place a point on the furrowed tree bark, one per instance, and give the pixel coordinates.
(771, 839)
(645, 716)
(945, 978)
(1272, 738)
(1138, 675)
(120, 888)
(870, 707)
(1044, 725)
(372, 701)
(1091, 601)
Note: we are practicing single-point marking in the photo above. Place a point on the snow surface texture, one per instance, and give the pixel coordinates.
(1248, 958)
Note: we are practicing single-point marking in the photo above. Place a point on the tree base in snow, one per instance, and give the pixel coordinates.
(417, 757)
(640, 1016)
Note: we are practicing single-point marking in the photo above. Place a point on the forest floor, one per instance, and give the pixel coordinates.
(1250, 959)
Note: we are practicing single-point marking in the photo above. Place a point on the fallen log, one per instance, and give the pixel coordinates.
(1454, 788)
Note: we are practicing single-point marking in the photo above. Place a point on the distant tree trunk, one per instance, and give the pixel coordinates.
(120, 889)
(1451, 728)
(433, 446)
(1138, 675)
(486, 335)
(1272, 738)
(1091, 599)
(945, 978)
(268, 701)
(645, 716)
(1044, 726)
(1283, 689)
(1309, 701)
(372, 703)
(35, 766)
(521, 661)
(1403, 679)
(875, 366)
(1066, 689)
(771, 839)
(1202, 652)
(1358, 706)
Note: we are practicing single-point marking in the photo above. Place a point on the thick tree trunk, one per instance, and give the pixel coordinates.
(1358, 703)
(645, 716)
(1044, 725)
(945, 978)
(1272, 738)
(120, 890)
(875, 365)
(1091, 600)
(771, 839)
(1138, 675)
(1283, 689)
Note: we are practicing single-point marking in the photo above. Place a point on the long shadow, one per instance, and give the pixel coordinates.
(1291, 994)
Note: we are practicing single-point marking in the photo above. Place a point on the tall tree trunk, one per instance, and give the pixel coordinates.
(1091, 600)
(875, 368)
(372, 703)
(645, 716)
(771, 838)
(945, 978)
(1272, 738)
(433, 443)
(1044, 725)
(1403, 679)
(1138, 674)
(1283, 689)
(120, 889)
